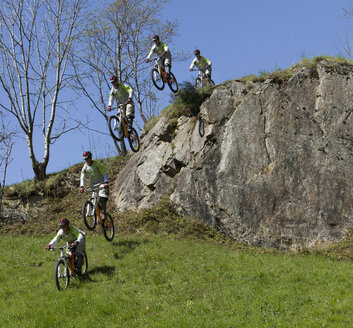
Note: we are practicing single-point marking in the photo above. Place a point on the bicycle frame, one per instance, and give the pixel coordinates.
(94, 198)
(203, 77)
(121, 114)
(68, 257)
(161, 70)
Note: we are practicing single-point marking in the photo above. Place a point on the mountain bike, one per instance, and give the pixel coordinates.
(119, 128)
(66, 266)
(92, 214)
(159, 78)
(203, 80)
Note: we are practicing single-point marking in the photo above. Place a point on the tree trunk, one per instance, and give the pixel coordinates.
(39, 171)
(123, 151)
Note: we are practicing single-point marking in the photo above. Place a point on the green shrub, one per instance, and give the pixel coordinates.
(163, 218)
(188, 100)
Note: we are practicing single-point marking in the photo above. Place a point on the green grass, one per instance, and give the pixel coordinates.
(186, 102)
(281, 76)
(158, 281)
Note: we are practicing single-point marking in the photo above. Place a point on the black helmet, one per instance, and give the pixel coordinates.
(155, 37)
(197, 52)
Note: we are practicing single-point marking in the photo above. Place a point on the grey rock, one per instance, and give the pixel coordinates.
(274, 168)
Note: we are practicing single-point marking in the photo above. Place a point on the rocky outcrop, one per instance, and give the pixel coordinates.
(274, 168)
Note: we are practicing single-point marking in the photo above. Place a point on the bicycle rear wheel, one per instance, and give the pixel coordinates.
(108, 227)
(62, 276)
(89, 215)
(84, 264)
(173, 83)
(134, 140)
(115, 128)
(157, 79)
(211, 83)
(201, 127)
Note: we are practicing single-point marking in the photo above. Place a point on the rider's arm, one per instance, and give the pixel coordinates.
(129, 91)
(57, 237)
(151, 51)
(208, 62)
(165, 47)
(192, 64)
(83, 176)
(111, 98)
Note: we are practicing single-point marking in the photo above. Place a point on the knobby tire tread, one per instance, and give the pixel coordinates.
(116, 133)
(90, 227)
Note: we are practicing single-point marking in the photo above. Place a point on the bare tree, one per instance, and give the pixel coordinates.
(347, 43)
(6, 144)
(37, 40)
(118, 39)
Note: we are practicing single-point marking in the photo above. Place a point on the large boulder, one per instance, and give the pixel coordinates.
(274, 168)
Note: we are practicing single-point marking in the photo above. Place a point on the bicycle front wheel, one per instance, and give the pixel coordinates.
(157, 79)
(108, 227)
(62, 276)
(173, 83)
(134, 140)
(89, 215)
(115, 128)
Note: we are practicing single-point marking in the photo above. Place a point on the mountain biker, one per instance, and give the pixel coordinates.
(123, 95)
(202, 63)
(165, 56)
(75, 239)
(99, 175)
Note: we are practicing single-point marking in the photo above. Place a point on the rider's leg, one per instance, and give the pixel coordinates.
(130, 120)
(208, 73)
(160, 63)
(79, 263)
(168, 65)
(130, 114)
(79, 256)
(103, 203)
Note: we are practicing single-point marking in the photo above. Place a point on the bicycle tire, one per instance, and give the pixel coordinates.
(84, 264)
(108, 228)
(89, 215)
(173, 83)
(157, 79)
(134, 140)
(115, 128)
(212, 84)
(62, 276)
(198, 83)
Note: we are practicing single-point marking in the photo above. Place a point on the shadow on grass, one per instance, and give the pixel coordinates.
(126, 246)
(106, 270)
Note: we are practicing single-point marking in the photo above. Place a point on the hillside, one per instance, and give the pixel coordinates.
(274, 167)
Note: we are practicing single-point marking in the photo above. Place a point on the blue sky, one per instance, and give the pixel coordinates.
(239, 37)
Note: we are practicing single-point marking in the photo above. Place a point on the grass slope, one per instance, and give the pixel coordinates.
(161, 270)
(157, 281)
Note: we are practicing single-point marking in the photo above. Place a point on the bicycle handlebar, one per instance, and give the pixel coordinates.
(96, 187)
(61, 248)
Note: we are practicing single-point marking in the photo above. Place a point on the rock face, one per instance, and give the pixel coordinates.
(274, 168)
